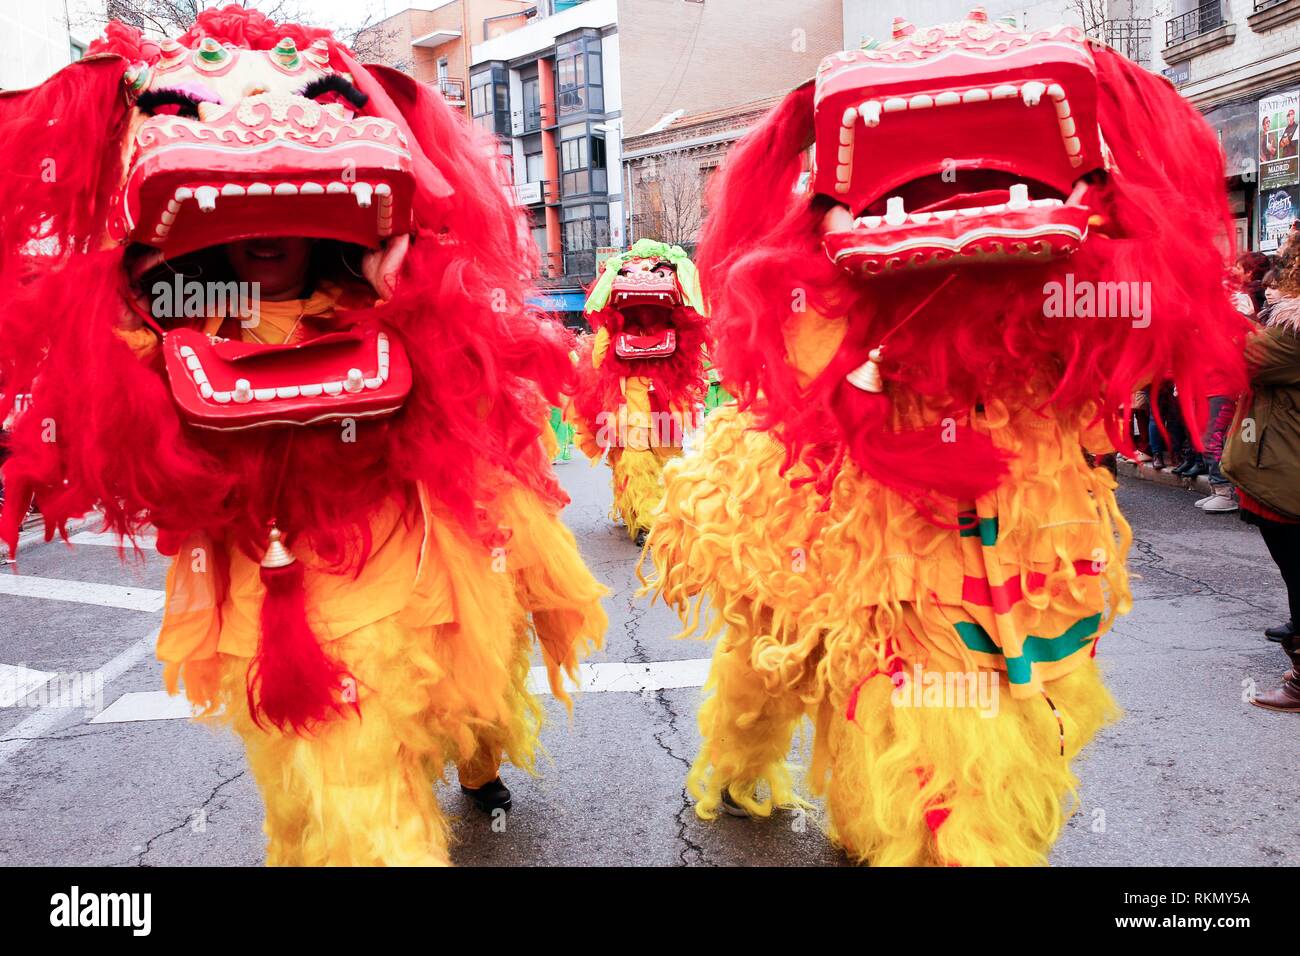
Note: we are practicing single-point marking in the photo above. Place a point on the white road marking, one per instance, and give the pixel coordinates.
(607, 678)
(616, 676)
(17, 682)
(47, 718)
(145, 705)
(109, 540)
(81, 592)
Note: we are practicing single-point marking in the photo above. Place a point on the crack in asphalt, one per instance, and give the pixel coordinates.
(690, 852)
(188, 821)
(689, 847)
(1156, 562)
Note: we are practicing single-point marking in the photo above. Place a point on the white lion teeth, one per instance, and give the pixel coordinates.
(285, 189)
(232, 189)
(355, 381)
(363, 193)
(243, 392)
(895, 214)
(206, 197)
(259, 189)
(311, 189)
(1032, 92)
(336, 187)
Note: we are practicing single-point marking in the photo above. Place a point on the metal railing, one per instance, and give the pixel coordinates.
(1131, 38)
(1194, 23)
(452, 89)
(1262, 5)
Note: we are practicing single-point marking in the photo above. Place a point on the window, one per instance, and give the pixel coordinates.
(489, 99)
(582, 162)
(442, 68)
(578, 77)
(585, 229)
(532, 92)
(533, 168)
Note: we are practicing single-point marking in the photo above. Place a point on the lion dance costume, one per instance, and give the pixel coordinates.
(363, 520)
(642, 374)
(900, 513)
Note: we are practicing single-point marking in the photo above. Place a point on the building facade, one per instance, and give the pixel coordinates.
(36, 40)
(668, 170)
(570, 93)
(551, 94)
(1239, 61)
(432, 41)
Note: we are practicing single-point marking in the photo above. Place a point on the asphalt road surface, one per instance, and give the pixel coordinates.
(1192, 775)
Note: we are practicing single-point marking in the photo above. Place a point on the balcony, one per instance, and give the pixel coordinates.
(1197, 31)
(539, 192)
(1273, 13)
(453, 91)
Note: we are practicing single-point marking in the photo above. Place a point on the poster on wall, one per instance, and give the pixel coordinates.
(1279, 157)
(1278, 208)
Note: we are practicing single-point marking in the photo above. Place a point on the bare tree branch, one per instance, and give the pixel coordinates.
(671, 203)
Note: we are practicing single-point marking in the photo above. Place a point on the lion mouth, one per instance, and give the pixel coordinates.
(977, 215)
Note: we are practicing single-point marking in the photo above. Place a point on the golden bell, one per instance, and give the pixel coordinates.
(277, 555)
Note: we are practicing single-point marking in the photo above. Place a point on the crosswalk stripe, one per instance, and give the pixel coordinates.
(17, 682)
(81, 592)
(16, 738)
(613, 677)
(109, 540)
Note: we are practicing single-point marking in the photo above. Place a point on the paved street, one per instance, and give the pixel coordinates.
(1191, 775)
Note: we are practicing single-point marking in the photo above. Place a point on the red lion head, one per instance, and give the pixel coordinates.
(144, 153)
(961, 176)
(645, 302)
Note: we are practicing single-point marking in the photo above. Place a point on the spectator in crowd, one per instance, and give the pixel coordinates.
(1248, 274)
(1168, 442)
(1142, 424)
(1262, 457)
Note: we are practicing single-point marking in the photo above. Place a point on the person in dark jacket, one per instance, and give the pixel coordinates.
(1262, 458)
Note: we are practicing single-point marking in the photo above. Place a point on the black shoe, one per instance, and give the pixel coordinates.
(1185, 468)
(490, 797)
(1281, 632)
(1197, 469)
(731, 807)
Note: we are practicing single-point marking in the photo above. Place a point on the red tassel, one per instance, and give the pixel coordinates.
(292, 683)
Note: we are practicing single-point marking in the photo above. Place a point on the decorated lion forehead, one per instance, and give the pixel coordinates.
(648, 274)
(966, 140)
(239, 133)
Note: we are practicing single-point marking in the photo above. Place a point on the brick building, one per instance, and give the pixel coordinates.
(668, 169)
